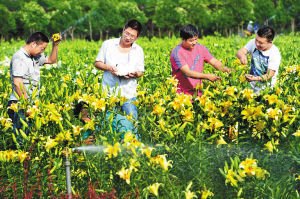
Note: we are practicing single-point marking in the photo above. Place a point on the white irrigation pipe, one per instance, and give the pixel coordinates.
(68, 178)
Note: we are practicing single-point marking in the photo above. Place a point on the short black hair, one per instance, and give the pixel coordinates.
(37, 37)
(134, 24)
(266, 32)
(188, 31)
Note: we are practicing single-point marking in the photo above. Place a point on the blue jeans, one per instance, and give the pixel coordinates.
(15, 117)
(120, 122)
(129, 108)
(16, 120)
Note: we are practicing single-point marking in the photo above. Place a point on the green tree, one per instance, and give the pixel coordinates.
(232, 14)
(264, 11)
(8, 23)
(198, 14)
(288, 12)
(12, 5)
(63, 16)
(148, 7)
(169, 15)
(69, 16)
(130, 10)
(106, 17)
(34, 17)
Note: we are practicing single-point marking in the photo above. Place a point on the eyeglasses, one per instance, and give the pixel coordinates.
(128, 35)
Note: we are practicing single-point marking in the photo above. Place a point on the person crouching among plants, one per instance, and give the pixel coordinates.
(265, 59)
(187, 60)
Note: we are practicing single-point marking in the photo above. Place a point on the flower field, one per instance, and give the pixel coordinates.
(228, 143)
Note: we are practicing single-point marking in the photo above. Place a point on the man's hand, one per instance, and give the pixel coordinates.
(20, 88)
(113, 70)
(251, 78)
(131, 75)
(242, 55)
(243, 60)
(136, 74)
(227, 70)
(28, 113)
(213, 78)
(56, 39)
(89, 141)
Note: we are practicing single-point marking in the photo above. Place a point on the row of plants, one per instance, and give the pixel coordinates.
(228, 143)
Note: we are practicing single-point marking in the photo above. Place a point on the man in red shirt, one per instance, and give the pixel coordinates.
(187, 60)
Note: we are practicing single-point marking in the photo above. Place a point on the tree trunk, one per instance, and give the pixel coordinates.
(101, 34)
(152, 29)
(226, 32)
(91, 31)
(159, 33)
(106, 37)
(293, 21)
(71, 31)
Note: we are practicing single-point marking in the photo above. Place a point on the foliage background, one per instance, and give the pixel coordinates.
(192, 142)
(99, 19)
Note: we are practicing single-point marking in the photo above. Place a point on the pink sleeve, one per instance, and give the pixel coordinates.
(177, 59)
(207, 56)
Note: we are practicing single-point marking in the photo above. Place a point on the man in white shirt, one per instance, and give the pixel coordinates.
(265, 59)
(122, 61)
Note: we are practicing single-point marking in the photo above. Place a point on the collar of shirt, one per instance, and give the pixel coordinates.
(25, 52)
(117, 42)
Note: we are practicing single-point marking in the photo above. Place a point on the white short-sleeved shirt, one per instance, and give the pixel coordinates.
(28, 68)
(261, 61)
(132, 61)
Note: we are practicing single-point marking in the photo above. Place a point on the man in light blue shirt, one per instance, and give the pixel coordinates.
(25, 71)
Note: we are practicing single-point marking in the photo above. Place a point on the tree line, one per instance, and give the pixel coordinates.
(99, 19)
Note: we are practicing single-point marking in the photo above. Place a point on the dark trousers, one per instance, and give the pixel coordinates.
(16, 116)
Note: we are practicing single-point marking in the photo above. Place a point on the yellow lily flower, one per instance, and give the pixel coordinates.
(230, 91)
(221, 141)
(158, 110)
(249, 165)
(22, 156)
(272, 99)
(215, 123)
(125, 174)
(154, 188)
(261, 173)
(271, 146)
(172, 81)
(248, 94)
(50, 143)
(14, 107)
(112, 151)
(188, 194)
(230, 178)
(99, 104)
(297, 133)
(162, 161)
(274, 113)
(206, 193)
(147, 151)
(76, 130)
(134, 164)
(188, 115)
